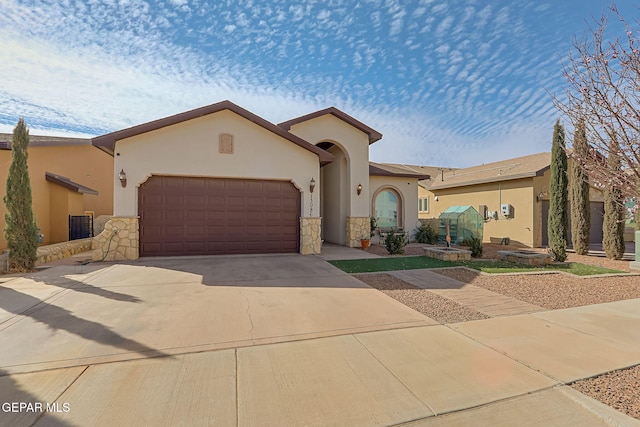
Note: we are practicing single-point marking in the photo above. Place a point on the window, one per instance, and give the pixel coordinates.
(423, 204)
(387, 207)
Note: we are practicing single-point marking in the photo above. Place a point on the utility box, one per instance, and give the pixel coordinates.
(506, 210)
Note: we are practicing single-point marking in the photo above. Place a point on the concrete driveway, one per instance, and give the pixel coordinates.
(271, 340)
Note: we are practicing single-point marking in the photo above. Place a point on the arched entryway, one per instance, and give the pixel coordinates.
(335, 203)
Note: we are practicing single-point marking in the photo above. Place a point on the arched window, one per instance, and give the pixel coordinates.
(388, 209)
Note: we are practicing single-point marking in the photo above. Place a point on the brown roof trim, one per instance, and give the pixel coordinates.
(380, 170)
(67, 183)
(374, 135)
(108, 142)
(440, 185)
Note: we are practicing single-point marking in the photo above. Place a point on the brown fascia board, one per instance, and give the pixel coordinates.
(376, 171)
(374, 135)
(108, 142)
(441, 185)
(67, 183)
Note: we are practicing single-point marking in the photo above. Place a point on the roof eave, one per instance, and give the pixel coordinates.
(107, 142)
(68, 184)
(373, 135)
(441, 186)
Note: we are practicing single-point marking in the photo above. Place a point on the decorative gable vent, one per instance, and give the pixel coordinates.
(225, 143)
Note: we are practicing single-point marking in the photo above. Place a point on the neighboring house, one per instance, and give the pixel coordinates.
(512, 195)
(68, 177)
(222, 180)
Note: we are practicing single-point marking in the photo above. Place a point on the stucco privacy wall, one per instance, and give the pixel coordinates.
(191, 148)
(408, 190)
(354, 142)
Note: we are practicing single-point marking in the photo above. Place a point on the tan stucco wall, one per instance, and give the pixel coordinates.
(407, 188)
(356, 145)
(63, 203)
(518, 193)
(424, 193)
(191, 148)
(83, 164)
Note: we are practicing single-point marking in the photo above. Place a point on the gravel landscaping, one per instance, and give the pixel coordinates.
(618, 389)
(552, 290)
(440, 309)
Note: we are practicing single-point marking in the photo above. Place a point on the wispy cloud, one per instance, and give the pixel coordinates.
(443, 82)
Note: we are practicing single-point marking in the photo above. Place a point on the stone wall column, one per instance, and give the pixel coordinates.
(119, 241)
(310, 242)
(358, 228)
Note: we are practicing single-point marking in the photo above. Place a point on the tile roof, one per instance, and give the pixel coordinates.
(403, 171)
(505, 170)
(42, 141)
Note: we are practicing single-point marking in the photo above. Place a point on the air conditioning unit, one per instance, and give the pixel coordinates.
(506, 210)
(492, 215)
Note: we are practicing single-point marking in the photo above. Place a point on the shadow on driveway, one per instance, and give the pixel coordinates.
(58, 318)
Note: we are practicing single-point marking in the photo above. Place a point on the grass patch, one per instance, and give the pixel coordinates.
(370, 265)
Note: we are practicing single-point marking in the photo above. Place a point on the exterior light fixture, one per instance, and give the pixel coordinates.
(540, 196)
(123, 178)
(359, 189)
(312, 185)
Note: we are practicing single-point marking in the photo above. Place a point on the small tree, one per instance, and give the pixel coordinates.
(614, 215)
(603, 75)
(557, 227)
(21, 231)
(579, 189)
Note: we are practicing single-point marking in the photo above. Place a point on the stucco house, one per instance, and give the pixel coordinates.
(512, 195)
(222, 180)
(68, 177)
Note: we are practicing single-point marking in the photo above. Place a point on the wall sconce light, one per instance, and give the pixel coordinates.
(436, 198)
(312, 185)
(123, 178)
(540, 196)
(359, 189)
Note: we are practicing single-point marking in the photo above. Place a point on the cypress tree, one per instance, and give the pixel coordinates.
(557, 226)
(21, 231)
(579, 190)
(614, 218)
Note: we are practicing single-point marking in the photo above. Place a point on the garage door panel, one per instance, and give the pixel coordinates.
(174, 217)
(192, 216)
(174, 231)
(196, 231)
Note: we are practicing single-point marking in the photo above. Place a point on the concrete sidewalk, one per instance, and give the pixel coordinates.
(288, 340)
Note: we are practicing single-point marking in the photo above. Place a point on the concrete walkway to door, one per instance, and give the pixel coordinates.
(287, 340)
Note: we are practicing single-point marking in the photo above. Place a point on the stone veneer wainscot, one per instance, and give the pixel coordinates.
(358, 228)
(310, 242)
(119, 241)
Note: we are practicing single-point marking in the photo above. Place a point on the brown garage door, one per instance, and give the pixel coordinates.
(212, 216)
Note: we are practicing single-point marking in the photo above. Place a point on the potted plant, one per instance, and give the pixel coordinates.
(365, 242)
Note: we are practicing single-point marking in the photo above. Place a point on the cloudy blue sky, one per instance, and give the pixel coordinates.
(448, 83)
